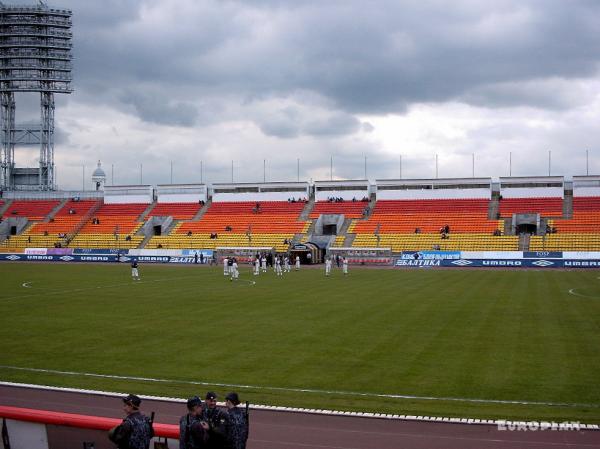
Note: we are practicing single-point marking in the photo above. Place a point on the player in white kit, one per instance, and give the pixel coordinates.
(225, 266)
(278, 271)
(256, 266)
(263, 263)
(345, 265)
(234, 270)
(327, 266)
(297, 263)
(286, 264)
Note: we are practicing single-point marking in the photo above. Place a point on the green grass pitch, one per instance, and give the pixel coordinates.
(354, 342)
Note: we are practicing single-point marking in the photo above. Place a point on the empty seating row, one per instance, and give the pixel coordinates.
(105, 241)
(423, 242)
(65, 220)
(565, 242)
(431, 206)
(544, 206)
(462, 216)
(278, 241)
(33, 210)
(257, 208)
(583, 204)
(119, 219)
(179, 211)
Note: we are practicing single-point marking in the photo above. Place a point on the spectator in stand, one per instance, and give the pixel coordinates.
(447, 229)
(189, 233)
(417, 230)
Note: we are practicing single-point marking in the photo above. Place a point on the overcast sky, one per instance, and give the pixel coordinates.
(214, 81)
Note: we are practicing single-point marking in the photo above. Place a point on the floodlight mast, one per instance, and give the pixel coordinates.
(35, 56)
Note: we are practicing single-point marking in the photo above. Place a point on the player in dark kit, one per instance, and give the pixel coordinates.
(135, 275)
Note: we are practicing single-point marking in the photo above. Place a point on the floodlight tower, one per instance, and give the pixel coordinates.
(35, 56)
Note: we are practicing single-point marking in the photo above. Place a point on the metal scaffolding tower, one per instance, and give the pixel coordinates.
(35, 56)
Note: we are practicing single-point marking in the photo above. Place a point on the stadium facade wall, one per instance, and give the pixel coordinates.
(181, 193)
(434, 194)
(586, 191)
(258, 196)
(528, 192)
(128, 194)
(346, 195)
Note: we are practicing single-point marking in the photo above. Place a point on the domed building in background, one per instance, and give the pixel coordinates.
(99, 177)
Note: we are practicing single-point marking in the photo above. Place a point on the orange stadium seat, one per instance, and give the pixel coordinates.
(395, 221)
(179, 211)
(546, 207)
(69, 216)
(33, 210)
(238, 224)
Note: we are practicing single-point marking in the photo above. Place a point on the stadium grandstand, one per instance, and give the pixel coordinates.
(473, 214)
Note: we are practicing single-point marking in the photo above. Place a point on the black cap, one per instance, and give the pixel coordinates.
(132, 400)
(193, 402)
(211, 395)
(233, 398)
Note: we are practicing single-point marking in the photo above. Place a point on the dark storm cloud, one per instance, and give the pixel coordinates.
(376, 59)
(290, 122)
(158, 108)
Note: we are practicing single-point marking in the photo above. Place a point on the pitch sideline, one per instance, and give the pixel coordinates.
(301, 390)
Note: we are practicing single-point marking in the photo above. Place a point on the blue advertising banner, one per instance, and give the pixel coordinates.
(430, 255)
(95, 258)
(100, 251)
(191, 252)
(58, 258)
(543, 254)
(499, 263)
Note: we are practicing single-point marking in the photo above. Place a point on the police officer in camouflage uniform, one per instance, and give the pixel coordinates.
(236, 429)
(192, 429)
(135, 432)
(216, 420)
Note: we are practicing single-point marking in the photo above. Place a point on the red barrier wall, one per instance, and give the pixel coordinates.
(80, 421)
